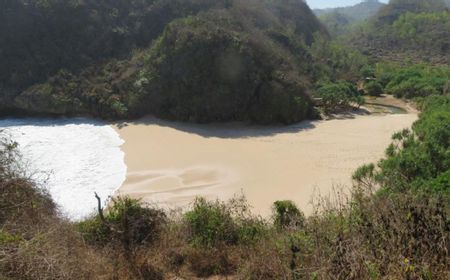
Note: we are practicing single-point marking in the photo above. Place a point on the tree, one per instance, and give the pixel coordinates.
(373, 88)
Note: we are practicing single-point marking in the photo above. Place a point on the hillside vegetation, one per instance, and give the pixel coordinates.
(340, 20)
(187, 60)
(405, 31)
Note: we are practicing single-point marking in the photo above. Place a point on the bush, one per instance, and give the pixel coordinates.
(21, 201)
(211, 224)
(338, 96)
(287, 215)
(127, 222)
(373, 88)
(418, 159)
(414, 81)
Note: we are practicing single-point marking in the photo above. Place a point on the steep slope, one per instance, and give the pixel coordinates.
(396, 8)
(199, 61)
(41, 37)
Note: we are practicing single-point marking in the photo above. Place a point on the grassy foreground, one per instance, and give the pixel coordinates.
(395, 225)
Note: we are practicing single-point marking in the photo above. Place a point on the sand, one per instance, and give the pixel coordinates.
(169, 164)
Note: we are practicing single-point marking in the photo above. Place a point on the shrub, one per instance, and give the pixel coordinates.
(287, 215)
(127, 222)
(21, 200)
(338, 96)
(373, 88)
(418, 159)
(367, 71)
(211, 224)
(414, 81)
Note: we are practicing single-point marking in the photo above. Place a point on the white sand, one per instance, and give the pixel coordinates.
(171, 163)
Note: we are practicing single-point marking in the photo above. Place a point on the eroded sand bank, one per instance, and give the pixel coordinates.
(172, 163)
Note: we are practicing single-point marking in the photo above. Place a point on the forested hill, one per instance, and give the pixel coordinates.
(358, 12)
(340, 20)
(195, 60)
(407, 30)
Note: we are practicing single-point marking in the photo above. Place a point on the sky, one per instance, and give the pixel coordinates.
(320, 4)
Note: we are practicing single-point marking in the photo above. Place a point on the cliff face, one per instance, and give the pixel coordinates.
(187, 60)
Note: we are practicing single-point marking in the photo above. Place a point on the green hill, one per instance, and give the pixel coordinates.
(194, 60)
(407, 30)
(339, 20)
(358, 12)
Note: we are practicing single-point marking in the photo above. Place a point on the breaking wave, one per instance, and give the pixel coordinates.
(72, 158)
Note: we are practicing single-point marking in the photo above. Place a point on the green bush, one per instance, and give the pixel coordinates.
(338, 96)
(414, 81)
(126, 221)
(373, 88)
(287, 215)
(418, 159)
(211, 224)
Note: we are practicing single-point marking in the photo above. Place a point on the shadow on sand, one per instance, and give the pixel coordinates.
(223, 130)
(351, 114)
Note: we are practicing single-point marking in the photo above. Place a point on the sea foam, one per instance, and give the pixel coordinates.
(72, 158)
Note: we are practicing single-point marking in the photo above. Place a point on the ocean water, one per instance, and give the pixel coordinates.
(72, 158)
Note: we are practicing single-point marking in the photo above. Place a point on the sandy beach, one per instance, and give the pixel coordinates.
(171, 163)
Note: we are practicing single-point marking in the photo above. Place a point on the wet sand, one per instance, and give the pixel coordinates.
(171, 163)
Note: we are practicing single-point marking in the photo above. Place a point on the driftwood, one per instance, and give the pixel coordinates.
(100, 209)
(109, 225)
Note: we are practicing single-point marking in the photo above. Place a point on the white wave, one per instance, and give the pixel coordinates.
(73, 158)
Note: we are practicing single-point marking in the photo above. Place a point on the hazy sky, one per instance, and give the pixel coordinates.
(334, 3)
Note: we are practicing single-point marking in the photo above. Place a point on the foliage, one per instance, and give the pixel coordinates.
(373, 88)
(240, 64)
(335, 61)
(287, 215)
(126, 221)
(418, 159)
(414, 81)
(47, 36)
(338, 96)
(211, 224)
(210, 43)
(358, 12)
(406, 30)
(340, 20)
(396, 8)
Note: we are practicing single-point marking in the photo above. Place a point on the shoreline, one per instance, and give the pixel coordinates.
(170, 163)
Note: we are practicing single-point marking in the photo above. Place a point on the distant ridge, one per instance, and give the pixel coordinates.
(361, 11)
